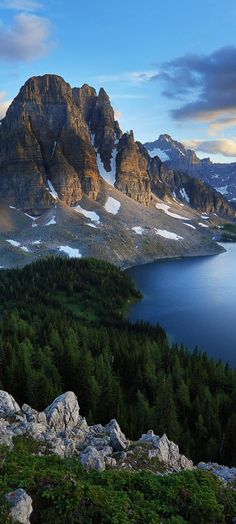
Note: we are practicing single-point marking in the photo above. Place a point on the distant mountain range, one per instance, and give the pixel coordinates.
(72, 182)
(176, 156)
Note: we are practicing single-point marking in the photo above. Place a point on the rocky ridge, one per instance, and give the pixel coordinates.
(58, 142)
(178, 157)
(61, 430)
(191, 191)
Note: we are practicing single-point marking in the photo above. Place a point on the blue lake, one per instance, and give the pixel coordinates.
(193, 299)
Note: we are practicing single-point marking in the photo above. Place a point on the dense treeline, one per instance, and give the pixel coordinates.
(63, 327)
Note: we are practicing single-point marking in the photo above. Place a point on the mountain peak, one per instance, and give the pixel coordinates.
(102, 95)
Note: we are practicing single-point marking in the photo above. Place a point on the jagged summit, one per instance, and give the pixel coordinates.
(63, 142)
(55, 135)
(221, 177)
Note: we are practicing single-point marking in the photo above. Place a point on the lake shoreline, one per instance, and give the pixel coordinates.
(177, 257)
(193, 299)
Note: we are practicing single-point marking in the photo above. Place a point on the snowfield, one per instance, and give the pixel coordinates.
(52, 191)
(109, 176)
(189, 225)
(138, 230)
(91, 225)
(14, 243)
(202, 225)
(112, 206)
(166, 208)
(158, 152)
(184, 194)
(70, 251)
(167, 234)
(223, 190)
(30, 216)
(94, 217)
(51, 222)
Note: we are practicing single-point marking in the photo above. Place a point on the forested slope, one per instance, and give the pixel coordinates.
(63, 327)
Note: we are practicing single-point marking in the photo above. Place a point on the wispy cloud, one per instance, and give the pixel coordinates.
(21, 5)
(126, 96)
(133, 77)
(4, 104)
(206, 85)
(223, 146)
(118, 114)
(28, 39)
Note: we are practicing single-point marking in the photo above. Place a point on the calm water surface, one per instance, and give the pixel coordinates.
(193, 299)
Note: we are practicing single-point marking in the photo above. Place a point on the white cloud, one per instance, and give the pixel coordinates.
(21, 5)
(133, 77)
(4, 104)
(221, 124)
(27, 39)
(118, 114)
(223, 146)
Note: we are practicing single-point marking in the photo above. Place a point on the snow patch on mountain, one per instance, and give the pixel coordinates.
(189, 225)
(223, 190)
(53, 149)
(166, 208)
(30, 216)
(70, 251)
(91, 225)
(14, 243)
(108, 176)
(158, 152)
(138, 230)
(112, 206)
(94, 217)
(184, 194)
(202, 225)
(167, 234)
(51, 222)
(52, 191)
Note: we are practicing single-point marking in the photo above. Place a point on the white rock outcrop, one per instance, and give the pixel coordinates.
(63, 413)
(224, 472)
(21, 506)
(167, 451)
(8, 405)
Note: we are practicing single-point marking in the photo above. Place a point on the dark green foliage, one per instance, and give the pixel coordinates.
(227, 232)
(63, 327)
(63, 492)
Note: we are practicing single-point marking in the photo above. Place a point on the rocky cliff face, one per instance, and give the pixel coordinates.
(59, 142)
(176, 156)
(132, 170)
(44, 137)
(53, 142)
(191, 191)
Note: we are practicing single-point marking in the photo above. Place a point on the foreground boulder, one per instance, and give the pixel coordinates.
(63, 413)
(224, 472)
(8, 405)
(61, 430)
(118, 440)
(90, 458)
(21, 506)
(167, 451)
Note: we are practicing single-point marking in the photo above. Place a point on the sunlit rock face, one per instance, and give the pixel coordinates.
(61, 143)
(191, 191)
(176, 156)
(44, 136)
(132, 170)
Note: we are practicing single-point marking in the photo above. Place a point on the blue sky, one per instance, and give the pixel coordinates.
(168, 67)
